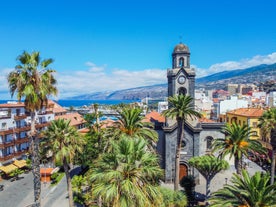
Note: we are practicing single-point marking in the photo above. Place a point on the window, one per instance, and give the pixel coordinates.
(181, 62)
(254, 124)
(254, 133)
(209, 141)
(4, 126)
(182, 91)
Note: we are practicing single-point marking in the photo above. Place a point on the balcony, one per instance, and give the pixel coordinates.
(6, 131)
(19, 153)
(22, 129)
(22, 140)
(41, 125)
(6, 157)
(20, 117)
(6, 144)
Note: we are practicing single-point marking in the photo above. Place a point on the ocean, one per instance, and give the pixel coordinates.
(79, 103)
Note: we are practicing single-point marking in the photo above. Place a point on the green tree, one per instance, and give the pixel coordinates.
(64, 141)
(237, 144)
(180, 107)
(173, 198)
(33, 81)
(208, 166)
(15, 173)
(188, 183)
(268, 126)
(246, 191)
(131, 123)
(128, 175)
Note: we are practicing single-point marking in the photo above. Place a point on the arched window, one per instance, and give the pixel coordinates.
(209, 141)
(182, 91)
(181, 62)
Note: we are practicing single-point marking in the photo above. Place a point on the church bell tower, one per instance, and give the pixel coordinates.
(181, 78)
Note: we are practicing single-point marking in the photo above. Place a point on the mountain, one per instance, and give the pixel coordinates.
(259, 70)
(256, 75)
(155, 91)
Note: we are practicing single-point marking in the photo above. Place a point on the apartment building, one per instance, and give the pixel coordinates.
(246, 116)
(14, 127)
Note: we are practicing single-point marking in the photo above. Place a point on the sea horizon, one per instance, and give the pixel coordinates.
(80, 103)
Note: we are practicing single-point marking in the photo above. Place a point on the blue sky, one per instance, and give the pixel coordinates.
(111, 45)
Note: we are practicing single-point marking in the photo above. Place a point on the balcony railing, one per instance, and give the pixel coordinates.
(20, 116)
(21, 129)
(5, 131)
(6, 157)
(6, 144)
(21, 140)
(12, 155)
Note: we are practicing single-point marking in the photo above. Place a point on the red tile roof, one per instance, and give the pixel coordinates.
(76, 118)
(12, 105)
(205, 120)
(56, 108)
(248, 112)
(154, 116)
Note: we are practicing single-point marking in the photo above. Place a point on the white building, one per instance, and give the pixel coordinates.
(14, 126)
(271, 99)
(231, 104)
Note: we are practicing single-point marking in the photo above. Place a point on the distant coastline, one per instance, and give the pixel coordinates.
(79, 103)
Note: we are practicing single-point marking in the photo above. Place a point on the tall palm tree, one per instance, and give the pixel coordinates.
(64, 141)
(237, 144)
(180, 107)
(268, 125)
(246, 191)
(127, 176)
(131, 123)
(208, 166)
(33, 81)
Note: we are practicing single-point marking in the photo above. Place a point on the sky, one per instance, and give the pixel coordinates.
(111, 45)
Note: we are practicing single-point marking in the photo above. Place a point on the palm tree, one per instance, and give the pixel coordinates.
(181, 107)
(268, 125)
(246, 191)
(64, 141)
(33, 81)
(237, 144)
(128, 175)
(208, 166)
(131, 123)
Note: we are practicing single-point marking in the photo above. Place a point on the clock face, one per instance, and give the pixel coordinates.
(181, 79)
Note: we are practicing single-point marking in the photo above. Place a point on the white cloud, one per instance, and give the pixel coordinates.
(232, 65)
(101, 78)
(96, 79)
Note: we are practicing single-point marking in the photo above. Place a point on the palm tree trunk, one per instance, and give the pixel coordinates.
(208, 192)
(34, 145)
(69, 184)
(238, 165)
(180, 128)
(272, 173)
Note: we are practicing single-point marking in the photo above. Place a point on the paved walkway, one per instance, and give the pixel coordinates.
(220, 179)
(19, 193)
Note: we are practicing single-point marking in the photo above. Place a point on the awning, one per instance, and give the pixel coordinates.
(20, 163)
(8, 168)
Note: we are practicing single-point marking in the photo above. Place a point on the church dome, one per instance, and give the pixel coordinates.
(181, 48)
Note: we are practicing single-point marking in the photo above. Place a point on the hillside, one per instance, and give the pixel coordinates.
(258, 74)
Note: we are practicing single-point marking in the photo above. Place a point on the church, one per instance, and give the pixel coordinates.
(198, 134)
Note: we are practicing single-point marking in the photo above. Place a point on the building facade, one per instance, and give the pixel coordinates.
(14, 127)
(198, 135)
